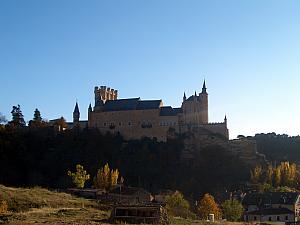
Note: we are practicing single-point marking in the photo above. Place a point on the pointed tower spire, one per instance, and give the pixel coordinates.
(195, 93)
(204, 87)
(184, 96)
(225, 119)
(90, 107)
(76, 113)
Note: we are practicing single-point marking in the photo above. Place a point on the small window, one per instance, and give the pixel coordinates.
(129, 123)
(278, 218)
(104, 124)
(270, 218)
(120, 124)
(286, 217)
(254, 218)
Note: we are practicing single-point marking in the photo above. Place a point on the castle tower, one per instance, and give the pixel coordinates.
(195, 108)
(104, 94)
(76, 114)
(204, 104)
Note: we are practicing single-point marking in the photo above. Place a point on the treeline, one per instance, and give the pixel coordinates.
(285, 176)
(42, 156)
(278, 147)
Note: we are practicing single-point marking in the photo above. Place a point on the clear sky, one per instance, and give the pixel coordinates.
(53, 52)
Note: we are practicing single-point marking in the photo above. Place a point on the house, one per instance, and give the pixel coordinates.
(127, 195)
(150, 214)
(276, 207)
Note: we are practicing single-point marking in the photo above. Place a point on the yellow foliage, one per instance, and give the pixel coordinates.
(79, 177)
(106, 178)
(3, 207)
(207, 205)
(256, 174)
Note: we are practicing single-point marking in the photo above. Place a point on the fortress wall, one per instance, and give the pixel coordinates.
(134, 124)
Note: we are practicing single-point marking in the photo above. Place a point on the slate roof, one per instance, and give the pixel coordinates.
(148, 104)
(271, 211)
(287, 198)
(169, 111)
(131, 104)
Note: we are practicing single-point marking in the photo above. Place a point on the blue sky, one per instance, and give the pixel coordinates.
(54, 52)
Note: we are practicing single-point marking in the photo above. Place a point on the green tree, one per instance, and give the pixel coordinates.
(79, 177)
(232, 210)
(37, 120)
(176, 205)
(106, 178)
(206, 206)
(17, 117)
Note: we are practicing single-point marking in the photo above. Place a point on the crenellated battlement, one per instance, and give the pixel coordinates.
(105, 93)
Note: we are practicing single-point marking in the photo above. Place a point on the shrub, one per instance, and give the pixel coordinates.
(3, 207)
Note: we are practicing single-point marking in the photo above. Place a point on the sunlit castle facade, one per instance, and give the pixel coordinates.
(134, 118)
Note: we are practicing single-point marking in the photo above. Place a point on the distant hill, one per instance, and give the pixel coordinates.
(278, 147)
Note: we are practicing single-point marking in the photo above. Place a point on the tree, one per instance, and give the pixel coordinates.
(2, 119)
(232, 210)
(176, 205)
(17, 117)
(206, 206)
(79, 177)
(106, 178)
(61, 124)
(256, 174)
(37, 120)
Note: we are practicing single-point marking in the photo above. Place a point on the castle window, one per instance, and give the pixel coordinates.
(120, 124)
(104, 124)
(129, 123)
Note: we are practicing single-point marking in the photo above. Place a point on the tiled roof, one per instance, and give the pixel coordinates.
(131, 104)
(169, 111)
(271, 211)
(287, 198)
(121, 104)
(149, 104)
(128, 190)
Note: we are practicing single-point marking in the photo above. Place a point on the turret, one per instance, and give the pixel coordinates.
(204, 88)
(76, 114)
(225, 120)
(184, 97)
(90, 108)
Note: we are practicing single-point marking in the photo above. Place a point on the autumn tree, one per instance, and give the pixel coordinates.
(256, 174)
(232, 210)
(17, 117)
(61, 124)
(176, 205)
(79, 177)
(106, 178)
(206, 206)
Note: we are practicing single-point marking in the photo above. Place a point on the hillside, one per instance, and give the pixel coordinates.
(40, 206)
(42, 158)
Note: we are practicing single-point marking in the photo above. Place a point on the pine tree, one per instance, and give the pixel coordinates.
(37, 116)
(17, 117)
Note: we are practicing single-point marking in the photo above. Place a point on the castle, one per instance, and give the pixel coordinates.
(134, 118)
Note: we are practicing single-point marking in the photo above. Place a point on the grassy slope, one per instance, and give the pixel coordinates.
(40, 206)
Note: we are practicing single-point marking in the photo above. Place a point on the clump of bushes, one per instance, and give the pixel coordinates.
(3, 206)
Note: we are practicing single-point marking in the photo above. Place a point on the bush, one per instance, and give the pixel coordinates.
(3, 207)
(176, 205)
(233, 210)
